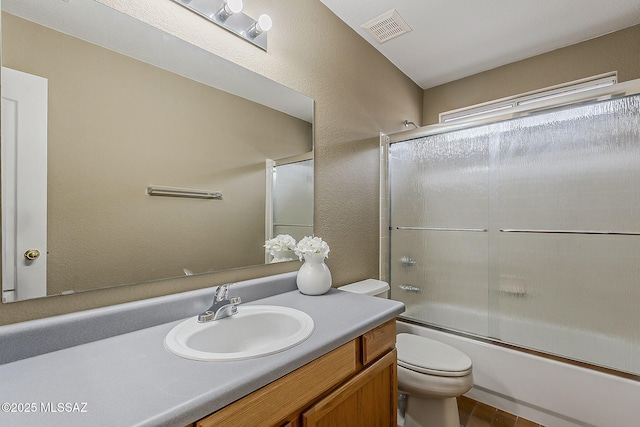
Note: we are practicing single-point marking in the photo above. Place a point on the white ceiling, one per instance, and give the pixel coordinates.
(452, 39)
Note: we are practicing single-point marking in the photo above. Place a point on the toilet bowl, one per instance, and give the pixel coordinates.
(431, 374)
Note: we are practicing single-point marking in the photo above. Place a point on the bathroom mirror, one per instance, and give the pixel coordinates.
(130, 107)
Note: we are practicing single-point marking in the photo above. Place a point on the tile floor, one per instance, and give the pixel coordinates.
(476, 414)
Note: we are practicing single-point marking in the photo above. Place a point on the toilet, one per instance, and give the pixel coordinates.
(431, 374)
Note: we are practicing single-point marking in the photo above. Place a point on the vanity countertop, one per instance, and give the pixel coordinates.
(131, 380)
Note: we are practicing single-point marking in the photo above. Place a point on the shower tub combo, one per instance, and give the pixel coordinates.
(516, 239)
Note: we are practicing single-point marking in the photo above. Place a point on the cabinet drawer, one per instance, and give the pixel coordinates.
(378, 341)
(273, 403)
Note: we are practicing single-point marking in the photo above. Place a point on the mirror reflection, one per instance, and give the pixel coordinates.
(115, 124)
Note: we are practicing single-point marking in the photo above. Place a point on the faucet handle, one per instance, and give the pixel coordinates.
(223, 305)
(222, 293)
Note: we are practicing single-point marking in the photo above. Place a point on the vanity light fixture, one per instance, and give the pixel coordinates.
(228, 14)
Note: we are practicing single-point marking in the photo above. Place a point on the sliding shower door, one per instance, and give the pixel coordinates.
(439, 215)
(526, 231)
(292, 199)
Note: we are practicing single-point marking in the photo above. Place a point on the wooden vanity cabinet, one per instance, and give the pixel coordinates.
(366, 400)
(354, 385)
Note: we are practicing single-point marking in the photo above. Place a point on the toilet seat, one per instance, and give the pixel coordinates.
(427, 356)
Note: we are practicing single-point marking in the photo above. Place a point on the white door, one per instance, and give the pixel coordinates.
(24, 185)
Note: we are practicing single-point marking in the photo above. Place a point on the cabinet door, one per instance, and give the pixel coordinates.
(282, 400)
(367, 400)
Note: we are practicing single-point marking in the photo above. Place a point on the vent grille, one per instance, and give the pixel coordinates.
(387, 26)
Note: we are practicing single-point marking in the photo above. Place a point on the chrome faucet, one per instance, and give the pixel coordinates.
(223, 305)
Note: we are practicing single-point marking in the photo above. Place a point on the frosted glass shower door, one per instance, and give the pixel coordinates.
(526, 231)
(569, 233)
(439, 214)
(293, 199)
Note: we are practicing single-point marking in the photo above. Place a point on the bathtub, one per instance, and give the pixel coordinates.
(549, 392)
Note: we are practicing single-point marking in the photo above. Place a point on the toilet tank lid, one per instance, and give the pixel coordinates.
(367, 287)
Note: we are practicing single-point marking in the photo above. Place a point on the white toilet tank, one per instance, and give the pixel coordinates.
(373, 287)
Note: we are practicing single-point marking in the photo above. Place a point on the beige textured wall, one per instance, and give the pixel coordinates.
(618, 51)
(357, 92)
(117, 125)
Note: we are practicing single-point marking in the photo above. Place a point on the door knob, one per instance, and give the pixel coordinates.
(32, 254)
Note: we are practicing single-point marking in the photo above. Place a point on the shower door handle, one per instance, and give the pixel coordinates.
(410, 288)
(408, 261)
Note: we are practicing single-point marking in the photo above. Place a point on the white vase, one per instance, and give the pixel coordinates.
(314, 277)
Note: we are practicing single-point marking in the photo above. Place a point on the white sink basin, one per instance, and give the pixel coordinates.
(257, 330)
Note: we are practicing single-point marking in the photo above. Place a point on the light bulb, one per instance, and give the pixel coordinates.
(230, 7)
(263, 24)
(233, 6)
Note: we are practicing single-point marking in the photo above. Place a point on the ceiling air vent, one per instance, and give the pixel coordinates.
(387, 26)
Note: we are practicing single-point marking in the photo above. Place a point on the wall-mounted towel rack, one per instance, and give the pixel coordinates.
(182, 192)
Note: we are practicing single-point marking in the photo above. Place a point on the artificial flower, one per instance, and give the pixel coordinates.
(311, 245)
(280, 243)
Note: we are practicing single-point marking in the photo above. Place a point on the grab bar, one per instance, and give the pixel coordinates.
(183, 192)
(611, 233)
(475, 230)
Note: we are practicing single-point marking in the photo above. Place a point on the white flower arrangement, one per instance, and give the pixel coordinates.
(280, 243)
(311, 245)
